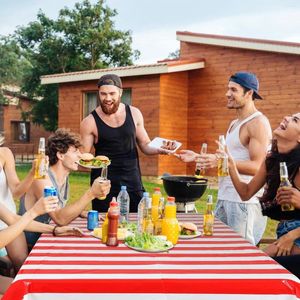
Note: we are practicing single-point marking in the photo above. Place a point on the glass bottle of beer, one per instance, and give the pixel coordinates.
(41, 164)
(199, 172)
(223, 158)
(284, 182)
(208, 218)
(147, 222)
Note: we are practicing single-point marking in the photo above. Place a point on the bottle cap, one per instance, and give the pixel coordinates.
(113, 204)
(123, 188)
(157, 189)
(145, 194)
(171, 199)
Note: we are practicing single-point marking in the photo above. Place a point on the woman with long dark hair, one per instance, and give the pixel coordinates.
(285, 148)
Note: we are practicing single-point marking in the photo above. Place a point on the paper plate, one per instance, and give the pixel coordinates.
(158, 143)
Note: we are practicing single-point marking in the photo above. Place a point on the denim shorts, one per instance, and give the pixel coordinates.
(3, 252)
(287, 226)
(244, 218)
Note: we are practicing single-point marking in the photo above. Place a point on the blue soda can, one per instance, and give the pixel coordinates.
(92, 221)
(50, 191)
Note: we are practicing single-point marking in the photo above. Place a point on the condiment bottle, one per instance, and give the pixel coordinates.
(105, 229)
(170, 226)
(208, 218)
(284, 182)
(113, 220)
(223, 158)
(199, 172)
(40, 171)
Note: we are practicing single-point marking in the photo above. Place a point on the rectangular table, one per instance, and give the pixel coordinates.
(223, 266)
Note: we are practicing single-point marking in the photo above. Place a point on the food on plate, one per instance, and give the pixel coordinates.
(188, 228)
(101, 160)
(168, 145)
(86, 159)
(130, 226)
(146, 241)
(122, 233)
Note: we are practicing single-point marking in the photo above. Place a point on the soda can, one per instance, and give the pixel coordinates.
(50, 191)
(92, 220)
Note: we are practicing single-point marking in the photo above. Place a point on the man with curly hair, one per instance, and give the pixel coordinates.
(63, 152)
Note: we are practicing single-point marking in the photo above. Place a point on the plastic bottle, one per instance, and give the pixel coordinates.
(141, 212)
(208, 218)
(147, 222)
(124, 202)
(40, 171)
(105, 229)
(284, 182)
(199, 172)
(155, 202)
(223, 158)
(170, 226)
(113, 219)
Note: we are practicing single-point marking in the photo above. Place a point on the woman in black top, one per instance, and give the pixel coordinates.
(285, 148)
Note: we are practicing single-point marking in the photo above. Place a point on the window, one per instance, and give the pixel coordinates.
(20, 131)
(91, 100)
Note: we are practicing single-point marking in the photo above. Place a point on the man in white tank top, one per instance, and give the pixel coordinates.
(247, 139)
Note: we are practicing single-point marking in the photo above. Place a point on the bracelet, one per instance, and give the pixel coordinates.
(53, 231)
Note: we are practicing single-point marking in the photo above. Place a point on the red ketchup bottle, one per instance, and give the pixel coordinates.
(113, 219)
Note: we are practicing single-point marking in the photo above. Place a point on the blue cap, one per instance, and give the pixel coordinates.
(123, 187)
(247, 80)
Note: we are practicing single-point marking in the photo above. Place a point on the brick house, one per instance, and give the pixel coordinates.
(185, 99)
(21, 136)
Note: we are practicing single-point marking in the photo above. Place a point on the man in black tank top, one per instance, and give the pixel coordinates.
(115, 130)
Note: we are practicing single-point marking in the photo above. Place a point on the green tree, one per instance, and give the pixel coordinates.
(81, 38)
(13, 64)
(174, 55)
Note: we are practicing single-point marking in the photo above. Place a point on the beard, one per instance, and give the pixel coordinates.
(111, 109)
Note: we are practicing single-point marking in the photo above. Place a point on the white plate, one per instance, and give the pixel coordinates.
(149, 250)
(188, 237)
(91, 166)
(158, 142)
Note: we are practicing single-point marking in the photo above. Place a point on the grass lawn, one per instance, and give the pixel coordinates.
(79, 182)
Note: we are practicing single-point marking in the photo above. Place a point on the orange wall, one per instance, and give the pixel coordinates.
(173, 117)
(279, 76)
(145, 96)
(13, 113)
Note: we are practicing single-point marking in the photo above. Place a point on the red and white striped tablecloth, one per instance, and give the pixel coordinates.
(223, 266)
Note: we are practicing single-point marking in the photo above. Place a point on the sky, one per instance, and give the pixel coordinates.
(153, 23)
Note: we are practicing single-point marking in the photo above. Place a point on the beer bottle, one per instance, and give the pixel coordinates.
(147, 222)
(223, 158)
(41, 165)
(208, 218)
(284, 182)
(199, 172)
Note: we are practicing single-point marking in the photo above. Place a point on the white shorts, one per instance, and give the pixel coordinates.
(244, 218)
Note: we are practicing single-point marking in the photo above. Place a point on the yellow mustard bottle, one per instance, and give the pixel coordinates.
(170, 226)
(105, 230)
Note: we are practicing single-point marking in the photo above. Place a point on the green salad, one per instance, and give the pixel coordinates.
(130, 226)
(146, 241)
